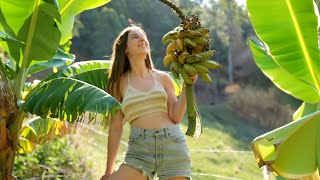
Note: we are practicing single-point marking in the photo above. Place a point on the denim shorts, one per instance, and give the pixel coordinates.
(161, 153)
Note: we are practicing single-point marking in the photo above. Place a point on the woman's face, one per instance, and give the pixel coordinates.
(137, 43)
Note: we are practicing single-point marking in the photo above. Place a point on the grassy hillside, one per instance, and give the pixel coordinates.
(221, 152)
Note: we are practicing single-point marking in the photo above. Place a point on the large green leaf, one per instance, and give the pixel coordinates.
(94, 72)
(39, 130)
(306, 109)
(60, 59)
(32, 22)
(177, 83)
(68, 99)
(289, 28)
(292, 151)
(280, 77)
(69, 9)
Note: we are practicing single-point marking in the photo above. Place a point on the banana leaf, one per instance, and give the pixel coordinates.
(289, 56)
(29, 22)
(69, 9)
(289, 31)
(38, 131)
(305, 109)
(292, 151)
(280, 77)
(94, 72)
(60, 59)
(68, 99)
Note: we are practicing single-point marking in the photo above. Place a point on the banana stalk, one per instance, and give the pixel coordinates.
(194, 118)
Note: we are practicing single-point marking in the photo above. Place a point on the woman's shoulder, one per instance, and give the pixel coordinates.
(162, 76)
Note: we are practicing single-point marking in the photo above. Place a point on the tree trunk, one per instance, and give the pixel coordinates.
(10, 124)
(230, 66)
(9, 141)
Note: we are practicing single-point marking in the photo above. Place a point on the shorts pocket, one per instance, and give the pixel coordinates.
(135, 138)
(177, 137)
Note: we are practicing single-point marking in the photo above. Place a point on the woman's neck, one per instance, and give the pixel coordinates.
(139, 70)
(138, 66)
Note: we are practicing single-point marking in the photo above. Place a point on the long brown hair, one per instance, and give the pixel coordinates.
(120, 60)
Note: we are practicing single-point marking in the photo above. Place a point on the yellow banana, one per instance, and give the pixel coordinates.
(205, 77)
(168, 59)
(182, 57)
(179, 44)
(171, 47)
(200, 68)
(190, 69)
(186, 76)
(210, 64)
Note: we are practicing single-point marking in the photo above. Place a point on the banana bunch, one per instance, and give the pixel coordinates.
(188, 52)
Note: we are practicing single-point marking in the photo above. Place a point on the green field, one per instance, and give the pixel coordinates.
(221, 152)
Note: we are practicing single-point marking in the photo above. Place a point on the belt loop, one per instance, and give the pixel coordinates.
(166, 131)
(143, 133)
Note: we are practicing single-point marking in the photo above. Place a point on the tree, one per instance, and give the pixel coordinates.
(32, 40)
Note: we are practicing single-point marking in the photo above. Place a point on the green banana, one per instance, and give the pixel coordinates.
(189, 42)
(176, 66)
(200, 68)
(210, 64)
(190, 69)
(205, 77)
(200, 56)
(202, 30)
(201, 41)
(186, 76)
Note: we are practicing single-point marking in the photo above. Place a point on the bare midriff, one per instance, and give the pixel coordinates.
(154, 120)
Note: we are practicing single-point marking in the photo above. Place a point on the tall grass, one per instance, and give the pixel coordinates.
(261, 107)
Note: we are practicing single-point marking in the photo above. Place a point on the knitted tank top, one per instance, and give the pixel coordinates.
(137, 103)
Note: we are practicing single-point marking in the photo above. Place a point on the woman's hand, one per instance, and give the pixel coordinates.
(193, 78)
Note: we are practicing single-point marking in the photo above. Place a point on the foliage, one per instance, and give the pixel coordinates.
(270, 114)
(289, 56)
(58, 159)
(32, 41)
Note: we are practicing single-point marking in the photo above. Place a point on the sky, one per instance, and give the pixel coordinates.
(241, 2)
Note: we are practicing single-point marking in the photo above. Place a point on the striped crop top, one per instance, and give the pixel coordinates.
(137, 103)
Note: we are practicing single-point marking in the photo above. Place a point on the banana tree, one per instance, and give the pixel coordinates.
(31, 32)
(287, 52)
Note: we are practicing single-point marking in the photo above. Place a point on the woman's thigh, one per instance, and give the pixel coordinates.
(125, 172)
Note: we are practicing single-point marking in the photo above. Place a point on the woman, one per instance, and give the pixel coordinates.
(157, 146)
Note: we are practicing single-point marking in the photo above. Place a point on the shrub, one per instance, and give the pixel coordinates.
(57, 159)
(262, 107)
